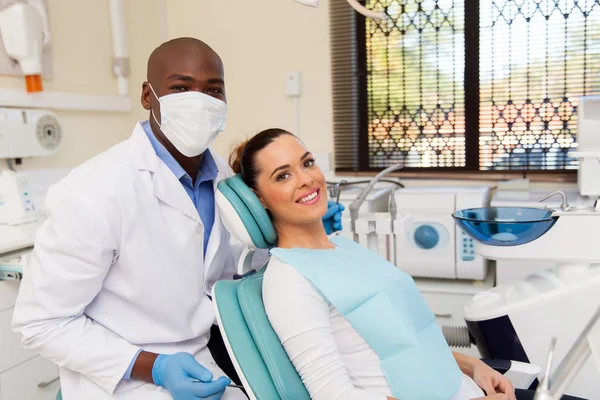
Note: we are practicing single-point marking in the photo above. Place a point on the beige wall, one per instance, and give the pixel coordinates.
(259, 42)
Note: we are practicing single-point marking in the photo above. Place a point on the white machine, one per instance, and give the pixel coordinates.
(588, 141)
(22, 208)
(428, 242)
(423, 239)
(518, 320)
(28, 133)
(514, 270)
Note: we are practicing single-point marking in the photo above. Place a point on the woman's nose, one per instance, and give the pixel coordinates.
(304, 179)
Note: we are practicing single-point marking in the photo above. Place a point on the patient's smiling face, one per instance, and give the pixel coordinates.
(290, 184)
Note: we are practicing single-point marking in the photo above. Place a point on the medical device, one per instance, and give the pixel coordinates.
(29, 133)
(24, 30)
(354, 4)
(427, 241)
(529, 196)
(518, 320)
(553, 388)
(588, 142)
(22, 208)
(22, 194)
(360, 199)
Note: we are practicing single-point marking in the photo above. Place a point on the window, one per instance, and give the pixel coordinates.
(471, 85)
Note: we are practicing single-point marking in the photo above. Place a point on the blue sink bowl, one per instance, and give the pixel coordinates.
(504, 226)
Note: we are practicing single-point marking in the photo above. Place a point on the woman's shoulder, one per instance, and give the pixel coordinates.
(281, 278)
(280, 273)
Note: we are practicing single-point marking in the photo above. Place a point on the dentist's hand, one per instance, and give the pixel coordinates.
(186, 379)
(332, 220)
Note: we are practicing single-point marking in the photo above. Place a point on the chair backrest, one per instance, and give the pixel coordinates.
(243, 214)
(256, 352)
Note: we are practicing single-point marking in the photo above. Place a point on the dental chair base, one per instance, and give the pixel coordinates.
(516, 321)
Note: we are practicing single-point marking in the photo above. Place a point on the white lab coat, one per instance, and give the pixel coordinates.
(119, 266)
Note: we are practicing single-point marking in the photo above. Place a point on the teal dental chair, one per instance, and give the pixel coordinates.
(255, 350)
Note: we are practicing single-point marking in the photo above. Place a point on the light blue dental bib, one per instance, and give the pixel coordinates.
(385, 307)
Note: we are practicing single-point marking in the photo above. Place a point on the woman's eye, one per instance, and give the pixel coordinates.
(283, 177)
(309, 163)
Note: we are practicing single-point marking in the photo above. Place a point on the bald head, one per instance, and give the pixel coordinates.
(178, 51)
(182, 65)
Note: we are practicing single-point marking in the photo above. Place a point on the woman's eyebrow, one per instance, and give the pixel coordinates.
(280, 168)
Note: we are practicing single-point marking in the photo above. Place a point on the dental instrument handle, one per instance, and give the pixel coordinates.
(339, 191)
(393, 214)
(231, 385)
(355, 205)
(574, 360)
(545, 383)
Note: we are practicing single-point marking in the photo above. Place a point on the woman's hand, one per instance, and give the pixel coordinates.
(498, 396)
(491, 381)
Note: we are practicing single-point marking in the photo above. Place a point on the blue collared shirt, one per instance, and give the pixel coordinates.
(200, 191)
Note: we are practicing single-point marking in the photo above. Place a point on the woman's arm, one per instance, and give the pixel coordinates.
(301, 319)
(465, 363)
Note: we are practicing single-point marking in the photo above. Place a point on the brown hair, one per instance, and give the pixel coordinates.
(243, 157)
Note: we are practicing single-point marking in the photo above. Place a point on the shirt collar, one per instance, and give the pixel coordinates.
(208, 168)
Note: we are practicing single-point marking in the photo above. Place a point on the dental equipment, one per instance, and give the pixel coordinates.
(554, 388)
(393, 214)
(518, 319)
(24, 30)
(335, 191)
(355, 206)
(588, 146)
(354, 4)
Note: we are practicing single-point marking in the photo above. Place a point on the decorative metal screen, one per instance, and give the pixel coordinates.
(521, 63)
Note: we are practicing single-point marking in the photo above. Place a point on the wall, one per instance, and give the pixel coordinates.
(259, 42)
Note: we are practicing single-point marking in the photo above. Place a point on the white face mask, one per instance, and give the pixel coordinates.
(191, 120)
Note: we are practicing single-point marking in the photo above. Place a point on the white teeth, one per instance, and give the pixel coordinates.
(309, 197)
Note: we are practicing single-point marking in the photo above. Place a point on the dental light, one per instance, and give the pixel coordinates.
(24, 31)
(354, 4)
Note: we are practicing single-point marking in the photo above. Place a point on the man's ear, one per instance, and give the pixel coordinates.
(145, 99)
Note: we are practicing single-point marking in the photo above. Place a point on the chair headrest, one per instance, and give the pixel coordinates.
(243, 214)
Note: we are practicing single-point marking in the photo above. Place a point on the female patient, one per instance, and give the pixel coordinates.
(384, 345)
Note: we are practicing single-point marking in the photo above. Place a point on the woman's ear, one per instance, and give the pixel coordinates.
(260, 199)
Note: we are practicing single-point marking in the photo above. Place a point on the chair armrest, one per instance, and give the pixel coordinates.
(519, 373)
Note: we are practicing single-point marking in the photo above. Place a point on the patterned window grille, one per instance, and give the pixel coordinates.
(466, 84)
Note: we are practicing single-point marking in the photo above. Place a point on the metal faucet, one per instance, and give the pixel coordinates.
(564, 206)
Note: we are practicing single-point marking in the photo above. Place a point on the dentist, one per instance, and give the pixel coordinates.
(117, 290)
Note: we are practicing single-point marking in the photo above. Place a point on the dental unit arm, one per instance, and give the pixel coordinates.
(553, 388)
(355, 205)
(354, 4)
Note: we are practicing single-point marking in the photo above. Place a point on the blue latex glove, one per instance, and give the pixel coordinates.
(179, 374)
(332, 220)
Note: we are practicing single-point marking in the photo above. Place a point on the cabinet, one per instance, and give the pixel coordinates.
(23, 373)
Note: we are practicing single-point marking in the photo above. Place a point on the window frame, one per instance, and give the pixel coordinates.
(354, 27)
